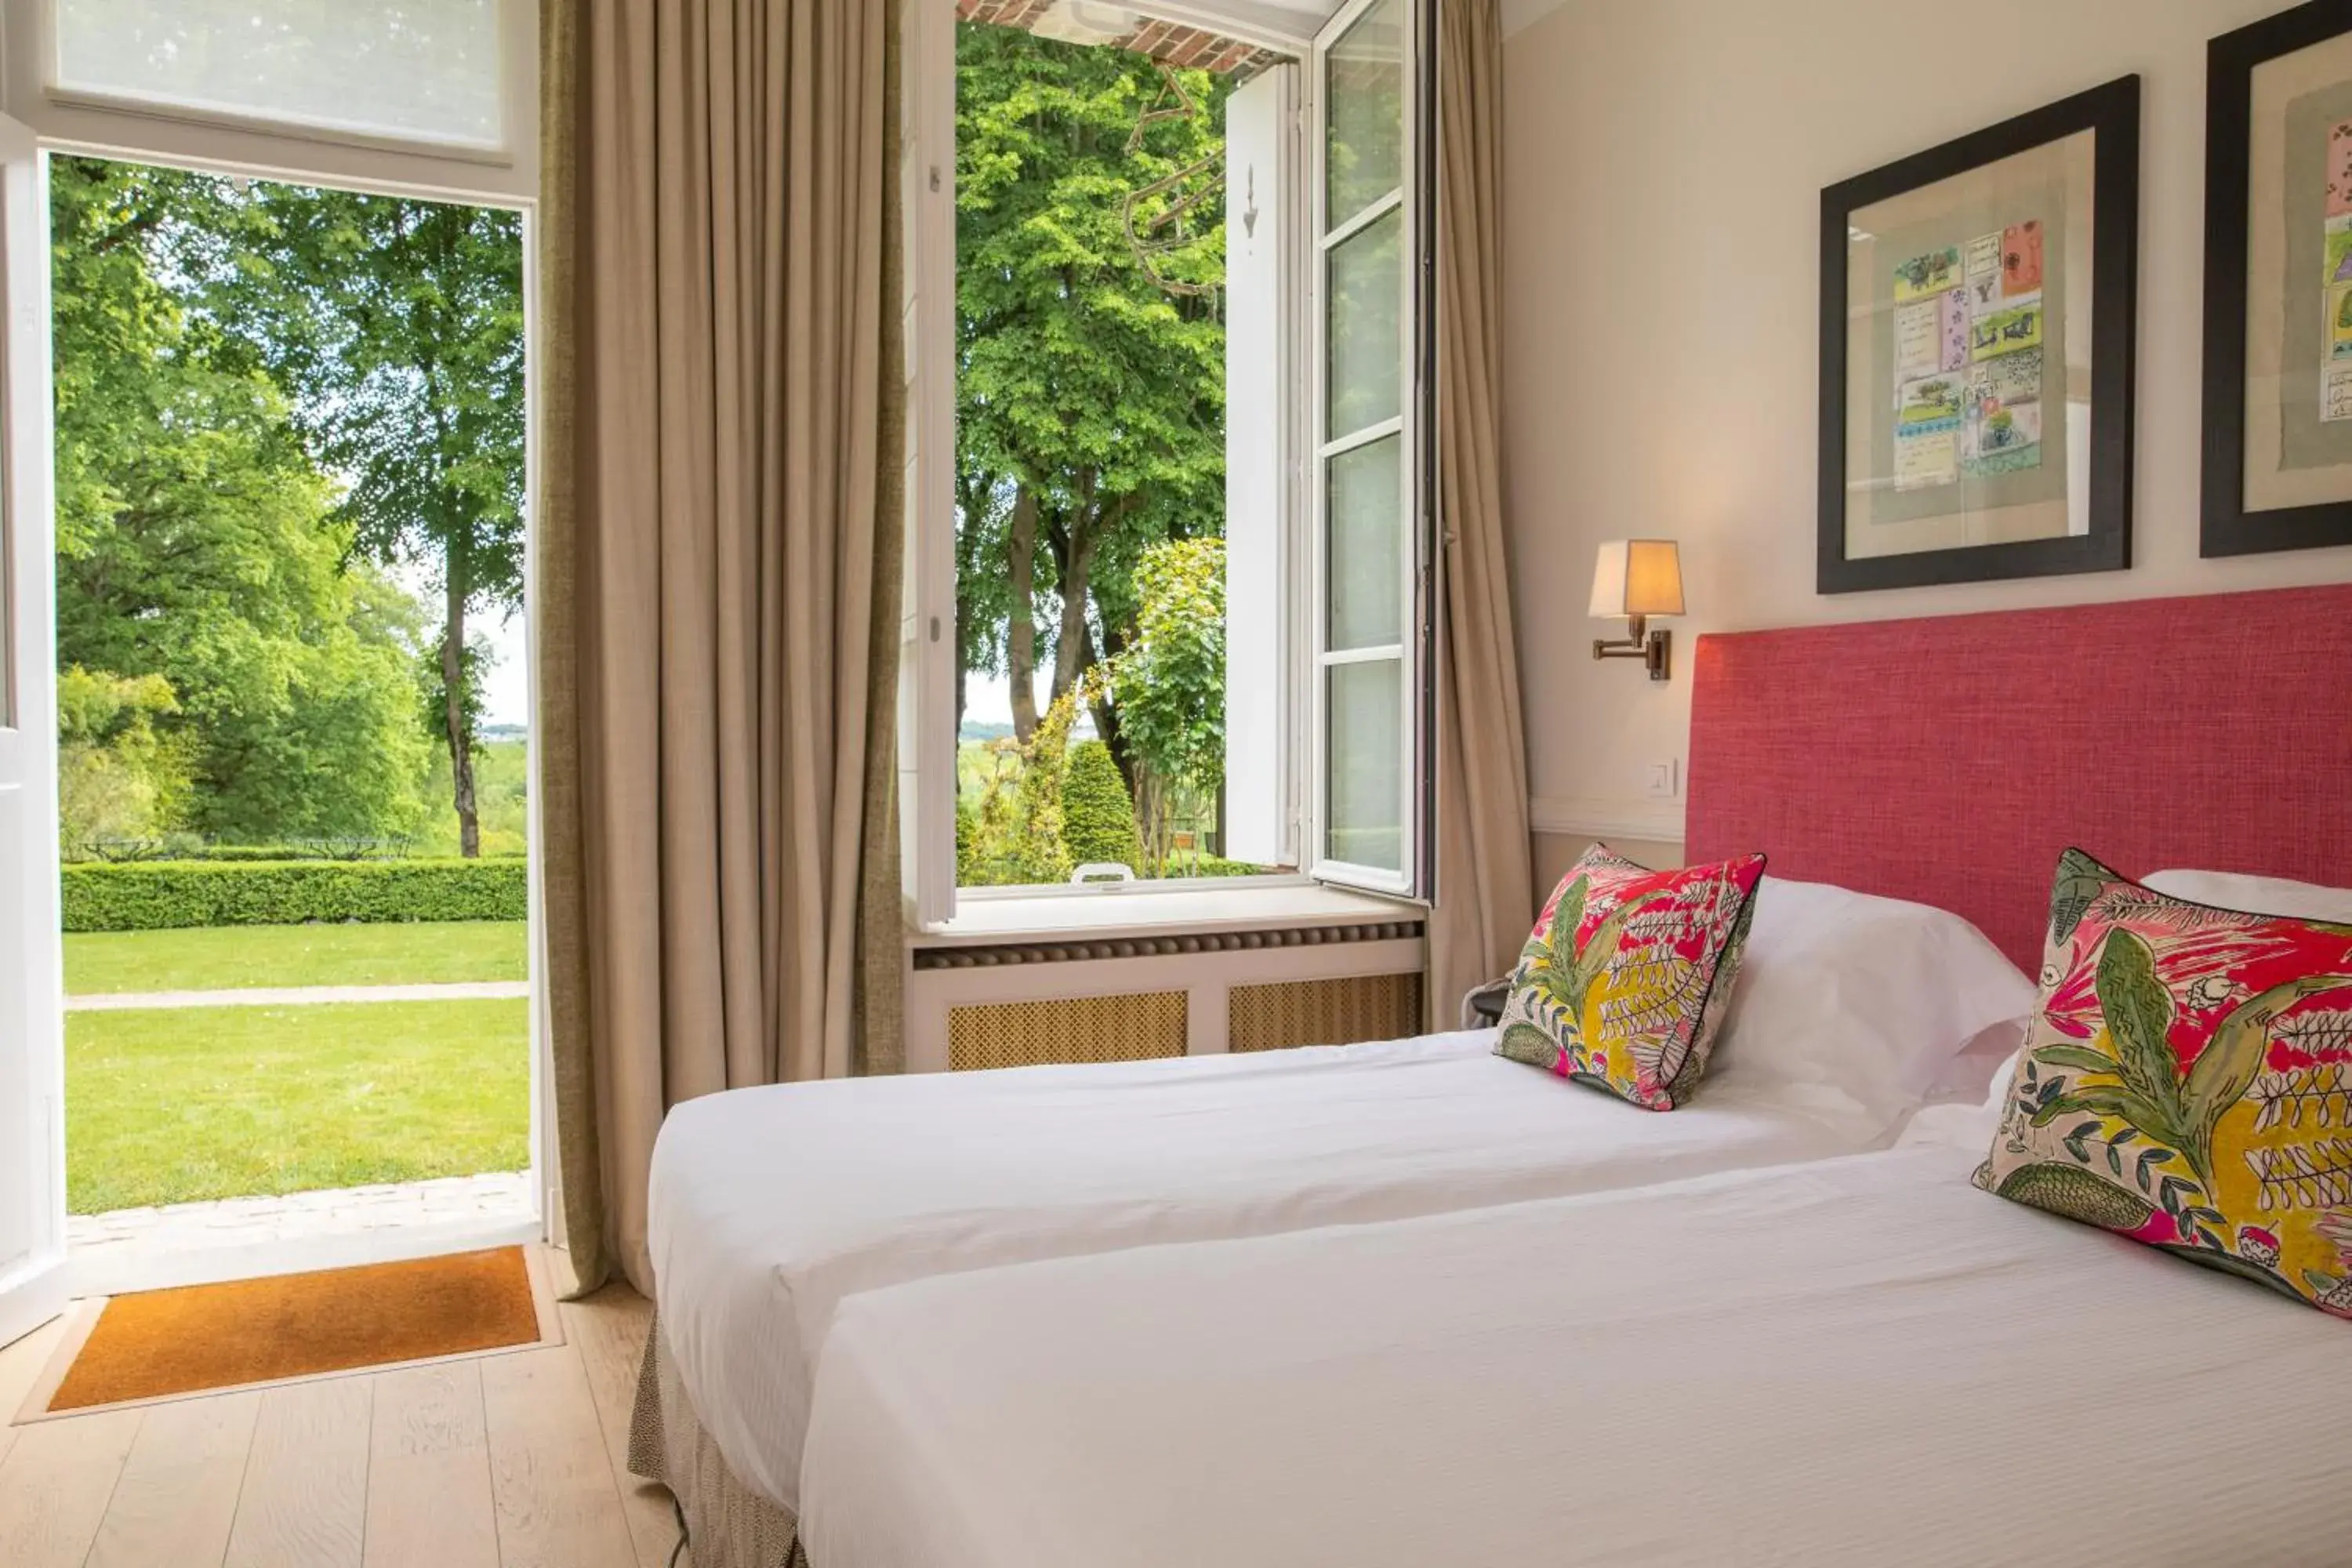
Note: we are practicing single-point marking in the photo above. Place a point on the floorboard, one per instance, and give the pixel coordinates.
(508, 1460)
(55, 1486)
(557, 1504)
(177, 1496)
(429, 1492)
(22, 1363)
(305, 1495)
(610, 1329)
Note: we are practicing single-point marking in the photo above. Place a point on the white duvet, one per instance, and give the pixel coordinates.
(769, 1206)
(1852, 1365)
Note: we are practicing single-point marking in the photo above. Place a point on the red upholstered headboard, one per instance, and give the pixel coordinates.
(1949, 761)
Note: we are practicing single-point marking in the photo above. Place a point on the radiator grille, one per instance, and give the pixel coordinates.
(1066, 1029)
(1323, 1012)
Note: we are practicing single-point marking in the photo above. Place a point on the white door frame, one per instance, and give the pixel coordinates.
(95, 1275)
(32, 972)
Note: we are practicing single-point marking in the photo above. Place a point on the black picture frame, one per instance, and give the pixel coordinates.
(2227, 528)
(2113, 114)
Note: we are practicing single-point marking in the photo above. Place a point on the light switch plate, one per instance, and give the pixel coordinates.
(1663, 780)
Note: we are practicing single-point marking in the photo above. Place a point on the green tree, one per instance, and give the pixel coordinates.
(118, 780)
(396, 326)
(1090, 385)
(1098, 816)
(195, 543)
(1169, 682)
(1014, 831)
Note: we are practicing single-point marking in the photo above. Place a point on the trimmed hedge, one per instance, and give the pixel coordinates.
(245, 854)
(1098, 818)
(165, 895)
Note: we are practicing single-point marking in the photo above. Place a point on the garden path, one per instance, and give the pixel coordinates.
(300, 996)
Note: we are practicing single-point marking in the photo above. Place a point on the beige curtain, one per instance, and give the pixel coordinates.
(718, 572)
(1485, 896)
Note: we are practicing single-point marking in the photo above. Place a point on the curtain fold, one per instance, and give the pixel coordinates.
(1485, 893)
(722, 574)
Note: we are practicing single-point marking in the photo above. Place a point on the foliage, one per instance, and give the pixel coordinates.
(116, 778)
(187, 1104)
(396, 328)
(1218, 866)
(1171, 681)
(231, 958)
(195, 543)
(1090, 422)
(1098, 816)
(161, 895)
(502, 797)
(181, 846)
(1015, 836)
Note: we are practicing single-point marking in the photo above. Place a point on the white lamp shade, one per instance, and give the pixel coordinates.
(1637, 577)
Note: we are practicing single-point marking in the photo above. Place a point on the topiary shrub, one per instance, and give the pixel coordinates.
(166, 894)
(1098, 816)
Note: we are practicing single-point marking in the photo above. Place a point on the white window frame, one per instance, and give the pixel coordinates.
(928, 759)
(104, 125)
(927, 655)
(300, 155)
(1411, 877)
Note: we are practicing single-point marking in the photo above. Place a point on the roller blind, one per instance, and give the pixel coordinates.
(424, 71)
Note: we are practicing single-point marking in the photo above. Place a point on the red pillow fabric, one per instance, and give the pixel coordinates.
(2187, 1083)
(1624, 983)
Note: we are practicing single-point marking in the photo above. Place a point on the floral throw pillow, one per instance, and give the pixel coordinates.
(1623, 984)
(2187, 1083)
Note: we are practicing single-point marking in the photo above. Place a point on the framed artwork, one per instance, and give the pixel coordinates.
(1979, 326)
(2278, 284)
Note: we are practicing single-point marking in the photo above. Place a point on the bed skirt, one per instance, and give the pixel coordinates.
(727, 1525)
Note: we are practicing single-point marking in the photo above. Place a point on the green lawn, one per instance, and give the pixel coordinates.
(244, 957)
(175, 1106)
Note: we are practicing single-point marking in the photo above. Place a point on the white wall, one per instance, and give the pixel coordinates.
(1664, 165)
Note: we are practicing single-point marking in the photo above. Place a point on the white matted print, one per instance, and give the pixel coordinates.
(1970, 343)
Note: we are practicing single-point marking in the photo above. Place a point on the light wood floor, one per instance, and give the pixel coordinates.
(499, 1461)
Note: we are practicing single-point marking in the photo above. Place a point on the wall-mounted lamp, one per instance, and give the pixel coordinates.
(1635, 579)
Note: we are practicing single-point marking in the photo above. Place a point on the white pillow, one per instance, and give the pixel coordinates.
(1866, 996)
(2257, 895)
(1966, 1127)
(1969, 1076)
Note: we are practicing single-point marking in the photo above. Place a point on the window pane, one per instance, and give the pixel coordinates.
(1365, 142)
(1366, 789)
(413, 70)
(1367, 341)
(1364, 546)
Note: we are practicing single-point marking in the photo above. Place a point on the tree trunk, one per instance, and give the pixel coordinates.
(453, 711)
(1106, 719)
(1020, 618)
(1074, 644)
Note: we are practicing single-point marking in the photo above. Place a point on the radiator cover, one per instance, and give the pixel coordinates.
(1071, 1029)
(1335, 1012)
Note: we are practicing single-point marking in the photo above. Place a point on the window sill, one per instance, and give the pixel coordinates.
(1262, 908)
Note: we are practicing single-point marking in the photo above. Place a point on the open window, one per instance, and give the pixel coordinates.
(1212, 334)
(1369, 483)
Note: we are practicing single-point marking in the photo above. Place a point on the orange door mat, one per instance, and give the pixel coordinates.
(164, 1344)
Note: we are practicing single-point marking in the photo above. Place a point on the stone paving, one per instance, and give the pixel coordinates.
(296, 1216)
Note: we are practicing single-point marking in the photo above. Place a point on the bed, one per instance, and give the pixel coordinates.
(1847, 1363)
(1821, 746)
(937, 1174)
(770, 1207)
